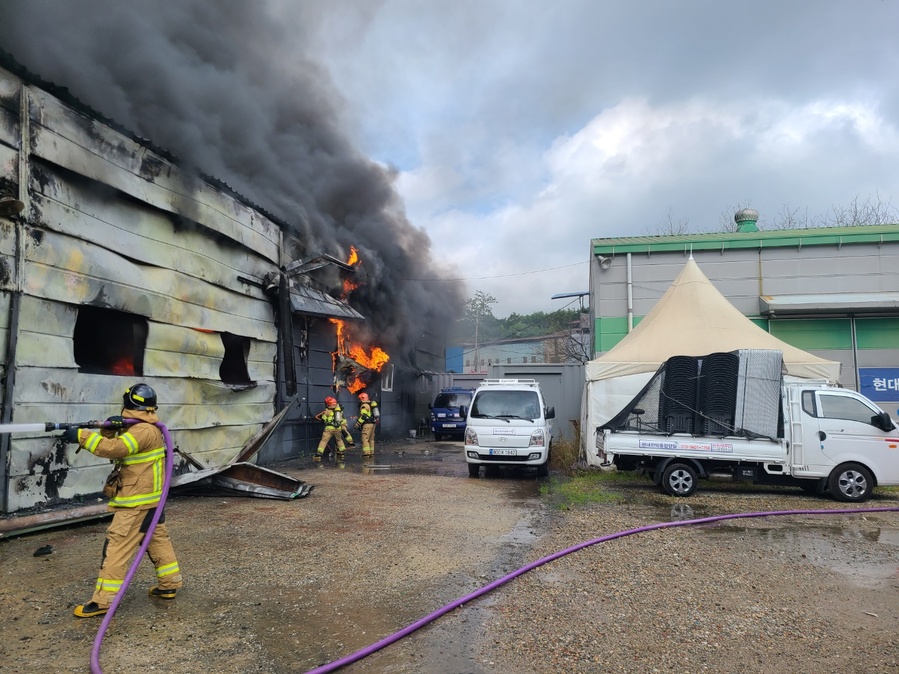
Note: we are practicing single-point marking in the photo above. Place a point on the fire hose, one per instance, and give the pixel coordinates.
(169, 462)
(431, 617)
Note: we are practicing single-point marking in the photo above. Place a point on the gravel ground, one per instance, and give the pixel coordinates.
(288, 586)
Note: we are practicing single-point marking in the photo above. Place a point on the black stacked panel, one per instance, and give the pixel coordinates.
(678, 400)
(718, 393)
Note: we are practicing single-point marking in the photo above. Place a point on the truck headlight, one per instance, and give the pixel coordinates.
(471, 437)
(538, 439)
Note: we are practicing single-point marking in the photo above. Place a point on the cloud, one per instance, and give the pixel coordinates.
(631, 166)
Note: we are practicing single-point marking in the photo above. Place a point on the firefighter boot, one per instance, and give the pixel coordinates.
(160, 593)
(341, 456)
(90, 609)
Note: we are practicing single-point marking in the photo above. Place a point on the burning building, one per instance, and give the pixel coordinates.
(120, 262)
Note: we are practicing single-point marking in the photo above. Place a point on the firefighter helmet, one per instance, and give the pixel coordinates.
(363, 397)
(330, 401)
(139, 397)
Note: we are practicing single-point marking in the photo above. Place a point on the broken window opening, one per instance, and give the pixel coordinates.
(233, 369)
(387, 378)
(108, 341)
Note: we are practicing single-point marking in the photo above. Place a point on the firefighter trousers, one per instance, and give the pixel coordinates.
(123, 538)
(368, 439)
(331, 432)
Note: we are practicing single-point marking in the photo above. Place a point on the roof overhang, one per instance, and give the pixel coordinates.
(831, 303)
(306, 300)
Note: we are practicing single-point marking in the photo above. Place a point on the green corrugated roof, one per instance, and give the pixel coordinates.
(780, 238)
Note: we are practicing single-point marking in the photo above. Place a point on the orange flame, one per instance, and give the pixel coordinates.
(348, 284)
(373, 359)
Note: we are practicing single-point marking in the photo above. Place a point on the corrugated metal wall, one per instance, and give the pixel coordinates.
(111, 225)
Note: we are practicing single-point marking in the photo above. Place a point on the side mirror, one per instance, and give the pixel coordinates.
(463, 411)
(550, 413)
(882, 421)
(430, 406)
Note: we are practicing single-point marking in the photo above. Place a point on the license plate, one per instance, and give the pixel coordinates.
(503, 452)
(449, 425)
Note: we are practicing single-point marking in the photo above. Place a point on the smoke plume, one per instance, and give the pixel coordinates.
(229, 91)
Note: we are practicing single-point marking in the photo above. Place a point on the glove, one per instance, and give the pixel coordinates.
(71, 434)
(115, 422)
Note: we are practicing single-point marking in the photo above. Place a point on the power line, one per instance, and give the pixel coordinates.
(486, 278)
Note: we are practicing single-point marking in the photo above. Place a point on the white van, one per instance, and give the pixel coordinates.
(508, 423)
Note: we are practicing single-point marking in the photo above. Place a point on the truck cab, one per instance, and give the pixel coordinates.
(447, 418)
(508, 423)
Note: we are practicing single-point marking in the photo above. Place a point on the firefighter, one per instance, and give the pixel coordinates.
(368, 419)
(134, 489)
(335, 427)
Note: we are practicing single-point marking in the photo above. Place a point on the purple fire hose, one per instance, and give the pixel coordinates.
(368, 650)
(169, 461)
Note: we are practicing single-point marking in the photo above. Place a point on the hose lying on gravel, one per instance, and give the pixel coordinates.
(406, 631)
(169, 461)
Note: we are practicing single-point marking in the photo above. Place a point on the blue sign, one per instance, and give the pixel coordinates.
(880, 384)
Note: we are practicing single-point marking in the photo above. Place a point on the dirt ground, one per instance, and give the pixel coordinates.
(294, 586)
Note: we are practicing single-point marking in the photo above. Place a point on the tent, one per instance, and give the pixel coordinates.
(692, 318)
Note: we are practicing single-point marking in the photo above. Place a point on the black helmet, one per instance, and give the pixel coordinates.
(139, 397)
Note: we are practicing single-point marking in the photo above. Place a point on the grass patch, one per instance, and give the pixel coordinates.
(582, 487)
(564, 455)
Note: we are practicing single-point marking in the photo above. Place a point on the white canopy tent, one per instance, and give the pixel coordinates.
(692, 318)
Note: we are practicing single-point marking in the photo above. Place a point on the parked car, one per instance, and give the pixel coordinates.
(508, 423)
(446, 418)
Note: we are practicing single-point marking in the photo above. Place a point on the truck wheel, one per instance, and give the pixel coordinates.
(851, 482)
(543, 469)
(679, 479)
(474, 470)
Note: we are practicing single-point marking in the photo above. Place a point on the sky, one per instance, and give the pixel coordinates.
(523, 129)
(509, 133)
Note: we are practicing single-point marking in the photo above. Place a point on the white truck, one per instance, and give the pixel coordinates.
(817, 436)
(508, 423)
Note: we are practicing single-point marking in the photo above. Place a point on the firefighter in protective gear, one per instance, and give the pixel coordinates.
(368, 419)
(138, 453)
(335, 427)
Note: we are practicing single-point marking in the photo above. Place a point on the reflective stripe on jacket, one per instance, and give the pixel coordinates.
(138, 452)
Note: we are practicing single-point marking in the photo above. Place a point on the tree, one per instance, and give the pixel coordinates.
(477, 308)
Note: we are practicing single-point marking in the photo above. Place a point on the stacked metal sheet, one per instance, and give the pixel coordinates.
(759, 382)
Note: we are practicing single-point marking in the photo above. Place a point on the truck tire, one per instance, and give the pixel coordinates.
(474, 469)
(851, 482)
(543, 469)
(680, 479)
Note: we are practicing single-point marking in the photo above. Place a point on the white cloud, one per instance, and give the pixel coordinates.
(622, 173)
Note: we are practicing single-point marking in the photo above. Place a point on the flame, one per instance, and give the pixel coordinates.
(348, 284)
(123, 366)
(351, 360)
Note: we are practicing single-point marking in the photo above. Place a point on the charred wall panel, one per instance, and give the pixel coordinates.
(117, 228)
(73, 141)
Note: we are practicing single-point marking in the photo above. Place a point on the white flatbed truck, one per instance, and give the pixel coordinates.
(834, 441)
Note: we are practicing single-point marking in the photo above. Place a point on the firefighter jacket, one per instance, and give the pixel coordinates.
(366, 414)
(331, 418)
(138, 452)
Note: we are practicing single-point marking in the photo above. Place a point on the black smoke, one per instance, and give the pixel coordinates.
(221, 87)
